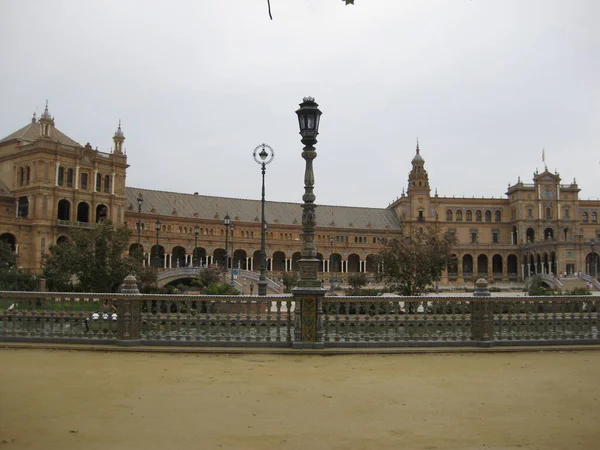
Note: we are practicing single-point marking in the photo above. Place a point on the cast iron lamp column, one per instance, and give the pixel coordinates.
(593, 259)
(156, 257)
(226, 222)
(331, 285)
(308, 293)
(140, 201)
(263, 155)
(196, 231)
(232, 255)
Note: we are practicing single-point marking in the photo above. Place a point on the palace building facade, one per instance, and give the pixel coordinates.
(50, 184)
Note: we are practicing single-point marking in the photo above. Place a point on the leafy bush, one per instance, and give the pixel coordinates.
(580, 291)
(289, 280)
(357, 280)
(220, 289)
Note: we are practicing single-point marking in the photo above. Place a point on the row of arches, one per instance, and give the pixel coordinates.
(277, 262)
(83, 212)
(483, 266)
(479, 215)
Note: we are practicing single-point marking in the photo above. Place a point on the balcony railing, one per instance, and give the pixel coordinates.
(275, 321)
(75, 224)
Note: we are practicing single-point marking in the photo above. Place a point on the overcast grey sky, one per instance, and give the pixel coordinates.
(484, 84)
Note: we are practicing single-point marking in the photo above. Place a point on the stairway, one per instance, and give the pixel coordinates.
(572, 283)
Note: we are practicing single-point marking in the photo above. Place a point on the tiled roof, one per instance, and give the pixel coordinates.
(205, 207)
(31, 132)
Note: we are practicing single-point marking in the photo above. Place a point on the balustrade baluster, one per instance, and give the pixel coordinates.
(269, 306)
(289, 321)
(278, 321)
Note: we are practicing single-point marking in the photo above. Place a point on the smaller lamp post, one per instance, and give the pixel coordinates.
(196, 231)
(331, 280)
(156, 256)
(528, 272)
(594, 259)
(140, 201)
(232, 255)
(263, 155)
(227, 222)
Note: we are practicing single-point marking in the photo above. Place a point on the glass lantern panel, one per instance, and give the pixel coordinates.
(310, 121)
(318, 118)
(302, 122)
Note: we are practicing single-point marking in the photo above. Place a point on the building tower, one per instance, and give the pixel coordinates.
(118, 139)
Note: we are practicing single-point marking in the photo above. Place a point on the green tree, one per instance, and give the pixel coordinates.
(410, 264)
(11, 277)
(94, 260)
(357, 280)
(289, 280)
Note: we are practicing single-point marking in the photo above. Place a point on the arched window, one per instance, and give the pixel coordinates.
(469, 215)
(488, 216)
(497, 216)
(478, 216)
(459, 216)
(584, 217)
(98, 182)
(449, 215)
(548, 213)
(566, 213)
(69, 177)
(28, 175)
(21, 176)
(594, 217)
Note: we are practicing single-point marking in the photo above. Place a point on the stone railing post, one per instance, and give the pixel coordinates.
(481, 314)
(129, 313)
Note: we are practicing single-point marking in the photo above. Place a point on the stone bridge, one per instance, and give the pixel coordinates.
(548, 279)
(166, 276)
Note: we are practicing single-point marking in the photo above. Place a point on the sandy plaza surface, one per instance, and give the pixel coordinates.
(57, 399)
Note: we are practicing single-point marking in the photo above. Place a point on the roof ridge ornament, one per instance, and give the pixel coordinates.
(46, 114)
(119, 132)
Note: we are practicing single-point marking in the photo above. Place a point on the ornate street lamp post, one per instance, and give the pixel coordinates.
(140, 201)
(196, 231)
(332, 286)
(232, 256)
(263, 155)
(226, 222)
(308, 293)
(594, 259)
(156, 256)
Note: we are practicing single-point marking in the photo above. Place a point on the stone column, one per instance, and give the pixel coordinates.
(481, 313)
(129, 313)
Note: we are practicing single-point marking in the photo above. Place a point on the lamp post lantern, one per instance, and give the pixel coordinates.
(227, 223)
(196, 231)
(263, 154)
(308, 293)
(156, 256)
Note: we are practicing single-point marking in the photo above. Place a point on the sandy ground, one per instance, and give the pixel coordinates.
(96, 400)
